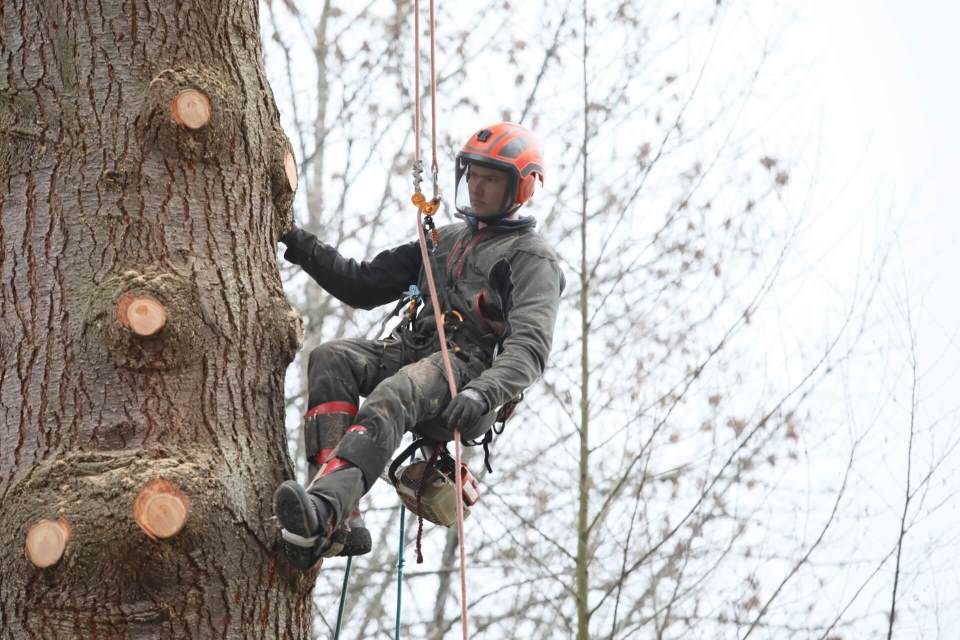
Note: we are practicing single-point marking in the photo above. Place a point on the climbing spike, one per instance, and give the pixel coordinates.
(191, 109)
(46, 542)
(161, 509)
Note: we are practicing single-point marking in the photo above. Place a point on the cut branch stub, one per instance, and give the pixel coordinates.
(146, 320)
(161, 509)
(141, 314)
(282, 166)
(191, 109)
(46, 542)
(195, 113)
(290, 168)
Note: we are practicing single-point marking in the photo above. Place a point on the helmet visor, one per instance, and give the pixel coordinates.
(485, 190)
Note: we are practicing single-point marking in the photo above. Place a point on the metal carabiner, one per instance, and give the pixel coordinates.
(459, 318)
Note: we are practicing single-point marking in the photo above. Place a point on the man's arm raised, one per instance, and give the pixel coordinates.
(365, 284)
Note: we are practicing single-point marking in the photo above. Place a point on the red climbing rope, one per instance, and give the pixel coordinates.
(427, 208)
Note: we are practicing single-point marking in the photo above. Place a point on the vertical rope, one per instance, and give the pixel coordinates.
(433, 100)
(343, 597)
(416, 76)
(403, 519)
(428, 270)
(460, 537)
(441, 333)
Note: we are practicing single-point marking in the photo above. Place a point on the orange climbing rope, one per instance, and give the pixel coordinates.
(427, 209)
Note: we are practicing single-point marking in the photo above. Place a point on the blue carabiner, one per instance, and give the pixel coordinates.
(413, 293)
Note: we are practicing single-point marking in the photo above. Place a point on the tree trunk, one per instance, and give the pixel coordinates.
(584, 480)
(144, 181)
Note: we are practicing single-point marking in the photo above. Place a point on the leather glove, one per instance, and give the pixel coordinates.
(464, 410)
(289, 236)
(295, 239)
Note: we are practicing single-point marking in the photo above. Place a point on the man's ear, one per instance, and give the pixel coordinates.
(527, 187)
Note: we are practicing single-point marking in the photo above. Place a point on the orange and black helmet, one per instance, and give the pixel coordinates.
(506, 147)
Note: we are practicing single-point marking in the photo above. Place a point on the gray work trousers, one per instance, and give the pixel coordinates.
(405, 390)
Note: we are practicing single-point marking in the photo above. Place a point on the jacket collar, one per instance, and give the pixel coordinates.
(501, 225)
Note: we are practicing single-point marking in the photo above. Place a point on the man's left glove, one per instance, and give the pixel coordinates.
(296, 238)
(464, 410)
(290, 236)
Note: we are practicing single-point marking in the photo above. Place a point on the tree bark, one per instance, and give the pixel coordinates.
(117, 186)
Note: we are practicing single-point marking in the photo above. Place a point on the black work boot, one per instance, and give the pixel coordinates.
(307, 521)
(325, 424)
(351, 538)
(358, 541)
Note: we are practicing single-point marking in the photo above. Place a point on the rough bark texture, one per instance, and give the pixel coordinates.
(103, 195)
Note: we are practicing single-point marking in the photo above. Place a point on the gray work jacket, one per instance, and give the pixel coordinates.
(506, 281)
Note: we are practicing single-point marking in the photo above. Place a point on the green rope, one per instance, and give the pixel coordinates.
(343, 597)
(403, 517)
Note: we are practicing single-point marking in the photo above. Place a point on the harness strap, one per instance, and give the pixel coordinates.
(505, 413)
(298, 540)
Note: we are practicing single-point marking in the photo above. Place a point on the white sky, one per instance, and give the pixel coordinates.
(893, 97)
(891, 106)
(884, 93)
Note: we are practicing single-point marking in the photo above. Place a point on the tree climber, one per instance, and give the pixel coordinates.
(499, 283)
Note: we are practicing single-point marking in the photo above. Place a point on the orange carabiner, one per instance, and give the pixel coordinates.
(443, 316)
(426, 207)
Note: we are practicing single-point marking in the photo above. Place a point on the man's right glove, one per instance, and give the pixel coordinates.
(464, 410)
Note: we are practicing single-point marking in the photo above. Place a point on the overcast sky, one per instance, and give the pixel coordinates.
(886, 98)
(898, 100)
(890, 107)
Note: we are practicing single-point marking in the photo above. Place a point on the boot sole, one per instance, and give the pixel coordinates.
(292, 507)
(294, 512)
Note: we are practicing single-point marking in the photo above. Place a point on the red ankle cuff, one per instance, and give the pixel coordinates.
(334, 464)
(322, 456)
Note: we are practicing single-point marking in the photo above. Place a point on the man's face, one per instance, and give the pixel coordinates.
(488, 190)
